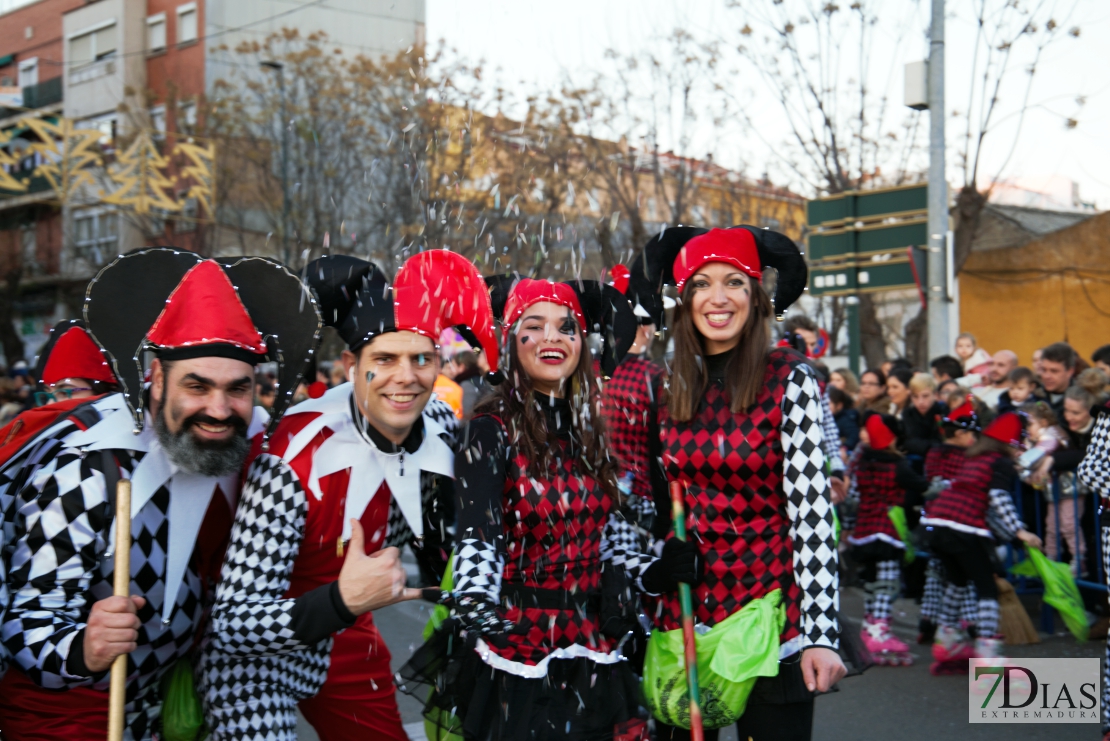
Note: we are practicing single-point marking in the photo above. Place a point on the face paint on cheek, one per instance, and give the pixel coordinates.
(369, 376)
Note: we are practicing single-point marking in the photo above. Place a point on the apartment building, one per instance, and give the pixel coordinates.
(117, 66)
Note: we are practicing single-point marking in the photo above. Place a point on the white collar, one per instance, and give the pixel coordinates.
(190, 493)
(369, 466)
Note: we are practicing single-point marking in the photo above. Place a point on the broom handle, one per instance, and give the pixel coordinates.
(678, 517)
(121, 587)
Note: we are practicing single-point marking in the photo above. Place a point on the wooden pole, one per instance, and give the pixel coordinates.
(678, 517)
(121, 587)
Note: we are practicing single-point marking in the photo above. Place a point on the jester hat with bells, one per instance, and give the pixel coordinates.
(69, 352)
(434, 290)
(598, 309)
(179, 305)
(676, 253)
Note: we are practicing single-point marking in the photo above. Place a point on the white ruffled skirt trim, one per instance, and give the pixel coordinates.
(538, 671)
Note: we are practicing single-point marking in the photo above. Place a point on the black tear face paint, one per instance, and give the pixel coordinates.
(369, 376)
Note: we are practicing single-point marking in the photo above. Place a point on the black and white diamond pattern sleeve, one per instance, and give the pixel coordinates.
(251, 617)
(254, 667)
(1002, 516)
(478, 567)
(442, 413)
(61, 523)
(1094, 471)
(621, 544)
(810, 510)
(830, 437)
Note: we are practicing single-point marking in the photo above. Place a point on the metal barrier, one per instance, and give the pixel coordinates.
(1084, 541)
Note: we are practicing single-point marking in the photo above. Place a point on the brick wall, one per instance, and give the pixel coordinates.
(45, 21)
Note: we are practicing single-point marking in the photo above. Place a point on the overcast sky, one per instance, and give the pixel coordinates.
(542, 42)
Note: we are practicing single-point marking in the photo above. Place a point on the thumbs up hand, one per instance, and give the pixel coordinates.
(370, 582)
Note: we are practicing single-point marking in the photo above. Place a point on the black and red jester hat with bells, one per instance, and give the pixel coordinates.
(434, 290)
(676, 253)
(598, 309)
(179, 305)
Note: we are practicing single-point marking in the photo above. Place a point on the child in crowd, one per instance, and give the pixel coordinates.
(1047, 436)
(959, 430)
(976, 360)
(884, 479)
(963, 541)
(922, 415)
(1023, 389)
(846, 416)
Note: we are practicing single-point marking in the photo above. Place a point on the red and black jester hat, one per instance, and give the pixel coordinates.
(69, 352)
(598, 308)
(434, 290)
(676, 253)
(180, 305)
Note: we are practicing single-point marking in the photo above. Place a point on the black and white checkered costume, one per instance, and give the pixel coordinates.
(1094, 471)
(61, 562)
(253, 667)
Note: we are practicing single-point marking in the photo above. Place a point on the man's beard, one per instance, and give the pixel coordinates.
(207, 458)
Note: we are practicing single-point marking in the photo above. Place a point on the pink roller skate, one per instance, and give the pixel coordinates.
(884, 647)
(951, 650)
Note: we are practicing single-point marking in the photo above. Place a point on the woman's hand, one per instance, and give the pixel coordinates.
(1029, 539)
(1044, 470)
(821, 668)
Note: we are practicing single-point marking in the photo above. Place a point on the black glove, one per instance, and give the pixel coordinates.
(681, 561)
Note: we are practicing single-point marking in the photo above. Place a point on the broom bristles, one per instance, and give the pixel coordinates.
(1013, 621)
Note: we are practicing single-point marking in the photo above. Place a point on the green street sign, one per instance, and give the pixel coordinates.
(867, 241)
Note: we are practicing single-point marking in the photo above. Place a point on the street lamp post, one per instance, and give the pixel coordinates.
(937, 270)
(280, 69)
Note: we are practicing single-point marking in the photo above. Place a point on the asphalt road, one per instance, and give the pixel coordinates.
(885, 703)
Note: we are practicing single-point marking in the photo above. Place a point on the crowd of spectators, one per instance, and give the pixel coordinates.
(1057, 394)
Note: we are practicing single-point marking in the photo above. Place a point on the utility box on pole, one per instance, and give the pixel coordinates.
(916, 92)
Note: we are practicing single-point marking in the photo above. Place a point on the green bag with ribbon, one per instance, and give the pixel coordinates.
(1060, 590)
(897, 517)
(182, 715)
(440, 725)
(731, 656)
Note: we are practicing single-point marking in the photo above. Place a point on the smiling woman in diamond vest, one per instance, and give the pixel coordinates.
(538, 523)
(742, 434)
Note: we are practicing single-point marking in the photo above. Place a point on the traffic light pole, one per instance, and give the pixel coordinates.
(937, 278)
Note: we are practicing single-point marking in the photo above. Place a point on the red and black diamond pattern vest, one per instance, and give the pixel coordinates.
(965, 503)
(945, 461)
(731, 466)
(878, 492)
(553, 529)
(629, 401)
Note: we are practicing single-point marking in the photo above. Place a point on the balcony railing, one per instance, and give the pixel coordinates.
(43, 94)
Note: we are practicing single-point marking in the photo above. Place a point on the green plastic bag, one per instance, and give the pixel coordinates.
(731, 656)
(440, 725)
(182, 716)
(897, 516)
(1060, 590)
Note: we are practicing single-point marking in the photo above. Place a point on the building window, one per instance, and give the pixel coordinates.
(93, 45)
(29, 72)
(96, 234)
(186, 23)
(187, 118)
(158, 121)
(156, 33)
(105, 124)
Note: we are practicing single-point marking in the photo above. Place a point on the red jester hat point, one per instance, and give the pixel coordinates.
(438, 289)
(530, 291)
(1007, 428)
(733, 246)
(619, 277)
(75, 355)
(204, 309)
(881, 435)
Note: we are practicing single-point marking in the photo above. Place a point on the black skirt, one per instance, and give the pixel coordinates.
(578, 699)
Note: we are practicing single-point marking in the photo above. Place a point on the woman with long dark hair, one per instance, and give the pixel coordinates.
(872, 392)
(539, 534)
(742, 435)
